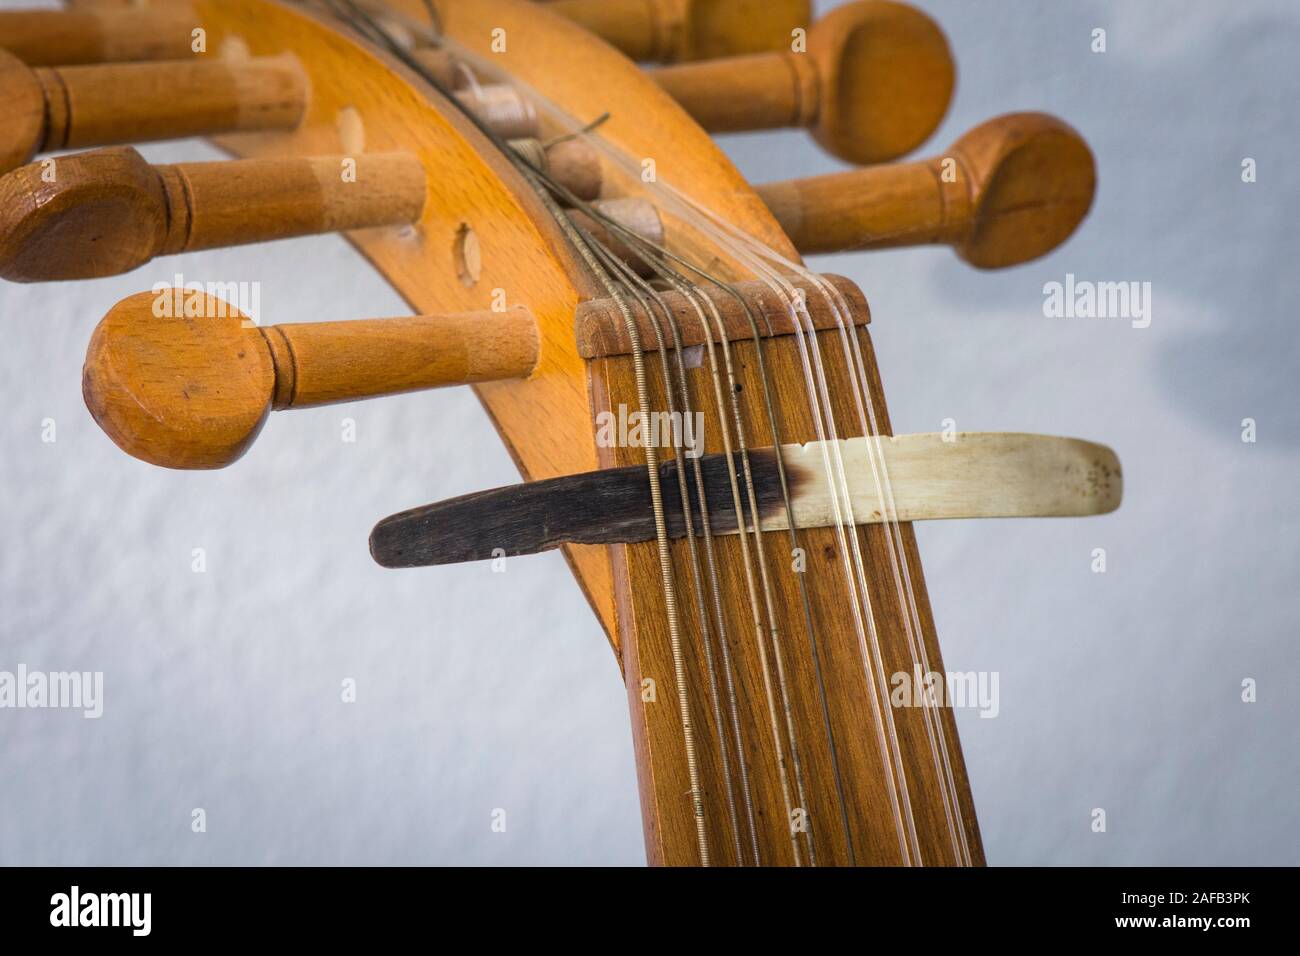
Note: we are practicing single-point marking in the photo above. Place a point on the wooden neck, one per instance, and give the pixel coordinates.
(876, 784)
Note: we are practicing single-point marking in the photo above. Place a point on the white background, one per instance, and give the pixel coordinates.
(480, 691)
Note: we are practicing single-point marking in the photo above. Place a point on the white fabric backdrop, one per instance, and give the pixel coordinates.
(479, 691)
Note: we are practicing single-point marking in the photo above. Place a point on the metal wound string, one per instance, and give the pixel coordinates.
(542, 185)
(906, 601)
(837, 478)
(895, 548)
(644, 294)
(690, 213)
(935, 732)
(883, 488)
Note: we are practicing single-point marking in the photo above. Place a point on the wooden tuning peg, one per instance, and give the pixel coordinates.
(50, 108)
(108, 211)
(673, 31)
(636, 215)
(572, 163)
(98, 35)
(874, 83)
(180, 379)
(1010, 190)
(448, 71)
(501, 107)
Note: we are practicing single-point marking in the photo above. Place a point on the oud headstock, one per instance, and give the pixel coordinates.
(575, 246)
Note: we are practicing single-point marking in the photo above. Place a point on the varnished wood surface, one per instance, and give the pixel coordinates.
(521, 253)
(681, 30)
(93, 35)
(666, 808)
(362, 100)
(108, 211)
(185, 380)
(659, 30)
(105, 104)
(1008, 191)
(602, 330)
(22, 112)
(873, 84)
(204, 418)
(52, 108)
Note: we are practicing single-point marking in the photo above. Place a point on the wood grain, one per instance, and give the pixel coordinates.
(1008, 191)
(185, 380)
(930, 476)
(547, 420)
(62, 37)
(189, 391)
(522, 252)
(873, 84)
(134, 102)
(108, 211)
(22, 112)
(672, 31)
(669, 822)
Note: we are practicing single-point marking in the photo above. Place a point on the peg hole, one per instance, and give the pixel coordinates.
(352, 131)
(468, 255)
(234, 49)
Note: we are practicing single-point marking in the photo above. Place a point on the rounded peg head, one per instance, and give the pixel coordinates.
(885, 78)
(1032, 180)
(22, 112)
(80, 216)
(179, 379)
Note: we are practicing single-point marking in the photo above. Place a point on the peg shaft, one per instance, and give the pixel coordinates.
(257, 200)
(502, 108)
(77, 106)
(443, 67)
(636, 215)
(180, 379)
(671, 31)
(759, 91)
(321, 363)
(108, 211)
(61, 37)
(1008, 191)
(874, 83)
(572, 163)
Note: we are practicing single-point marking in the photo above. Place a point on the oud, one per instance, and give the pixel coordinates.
(574, 246)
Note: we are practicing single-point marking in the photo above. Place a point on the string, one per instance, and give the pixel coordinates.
(936, 733)
(662, 544)
(898, 559)
(773, 631)
(782, 693)
(901, 806)
(644, 294)
(867, 418)
(907, 601)
(894, 765)
(895, 547)
(541, 184)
